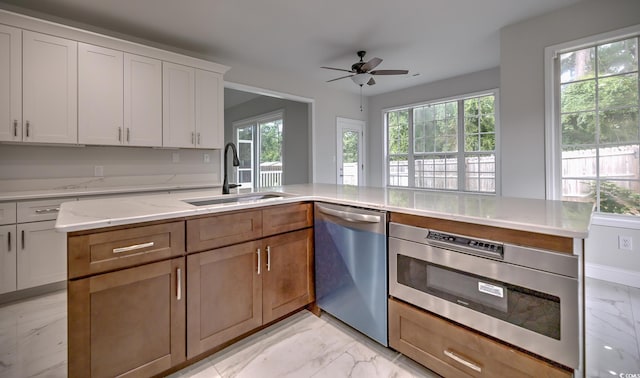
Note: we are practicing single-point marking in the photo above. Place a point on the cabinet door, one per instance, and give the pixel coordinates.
(50, 89)
(288, 273)
(42, 254)
(128, 323)
(209, 110)
(8, 248)
(142, 101)
(224, 295)
(10, 84)
(99, 95)
(178, 105)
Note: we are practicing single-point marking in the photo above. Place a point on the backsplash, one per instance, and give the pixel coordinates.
(54, 168)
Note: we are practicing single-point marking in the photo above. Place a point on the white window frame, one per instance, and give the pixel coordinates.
(460, 153)
(553, 153)
(255, 122)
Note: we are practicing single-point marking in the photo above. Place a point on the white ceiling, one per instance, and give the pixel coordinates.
(436, 39)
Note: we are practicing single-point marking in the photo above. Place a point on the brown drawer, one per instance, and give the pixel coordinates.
(285, 218)
(453, 351)
(221, 230)
(109, 250)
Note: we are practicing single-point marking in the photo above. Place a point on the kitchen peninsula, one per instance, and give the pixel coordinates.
(203, 249)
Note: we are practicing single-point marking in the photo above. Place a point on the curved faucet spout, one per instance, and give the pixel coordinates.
(236, 163)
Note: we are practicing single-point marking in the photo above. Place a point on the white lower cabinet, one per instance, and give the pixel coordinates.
(7, 258)
(41, 255)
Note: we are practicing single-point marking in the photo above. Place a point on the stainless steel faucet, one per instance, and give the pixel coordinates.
(236, 163)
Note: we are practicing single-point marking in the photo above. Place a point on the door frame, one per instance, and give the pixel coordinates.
(351, 124)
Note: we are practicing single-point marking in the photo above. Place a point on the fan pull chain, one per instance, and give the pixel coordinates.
(361, 98)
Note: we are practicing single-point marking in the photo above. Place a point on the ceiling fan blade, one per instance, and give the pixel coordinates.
(371, 82)
(336, 69)
(371, 64)
(342, 77)
(389, 72)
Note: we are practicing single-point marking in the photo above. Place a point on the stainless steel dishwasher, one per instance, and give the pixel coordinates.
(351, 267)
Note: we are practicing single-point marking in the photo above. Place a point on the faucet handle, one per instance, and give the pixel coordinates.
(231, 186)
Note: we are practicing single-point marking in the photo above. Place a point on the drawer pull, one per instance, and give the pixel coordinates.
(9, 241)
(461, 360)
(133, 247)
(268, 258)
(179, 285)
(47, 211)
(258, 253)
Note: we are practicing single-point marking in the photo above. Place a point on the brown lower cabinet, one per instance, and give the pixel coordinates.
(453, 351)
(128, 323)
(236, 289)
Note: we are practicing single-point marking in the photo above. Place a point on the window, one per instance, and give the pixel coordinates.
(444, 145)
(260, 140)
(595, 124)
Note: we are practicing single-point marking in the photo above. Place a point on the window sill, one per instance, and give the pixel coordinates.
(619, 221)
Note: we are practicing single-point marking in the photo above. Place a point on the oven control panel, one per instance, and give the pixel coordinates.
(482, 247)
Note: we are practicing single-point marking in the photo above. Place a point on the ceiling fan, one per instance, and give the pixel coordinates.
(361, 72)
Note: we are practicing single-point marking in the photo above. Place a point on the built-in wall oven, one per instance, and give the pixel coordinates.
(523, 296)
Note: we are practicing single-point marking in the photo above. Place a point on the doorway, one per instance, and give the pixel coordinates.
(350, 148)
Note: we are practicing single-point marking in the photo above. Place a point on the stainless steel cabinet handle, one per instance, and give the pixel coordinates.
(128, 134)
(350, 217)
(179, 285)
(133, 247)
(27, 129)
(15, 127)
(22, 238)
(193, 138)
(268, 258)
(119, 134)
(258, 253)
(461, 360)
(9, 241)
(198, 138)
(47, 211)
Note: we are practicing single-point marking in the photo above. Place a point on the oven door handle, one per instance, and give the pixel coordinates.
(349, 216)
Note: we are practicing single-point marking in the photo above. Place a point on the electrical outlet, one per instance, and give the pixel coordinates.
(206, 158)
(98, 171)
(175, 157)
(625, 242)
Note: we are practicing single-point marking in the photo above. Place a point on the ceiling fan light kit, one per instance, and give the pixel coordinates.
(361, 79)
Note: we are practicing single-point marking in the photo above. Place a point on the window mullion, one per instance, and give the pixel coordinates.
(597, 122)
(461, 156)
(410, 158)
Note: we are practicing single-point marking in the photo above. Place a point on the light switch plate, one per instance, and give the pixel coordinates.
(98, 171)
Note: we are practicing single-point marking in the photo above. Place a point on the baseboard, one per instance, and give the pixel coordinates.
(612, 274)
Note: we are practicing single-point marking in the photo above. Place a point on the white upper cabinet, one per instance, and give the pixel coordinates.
(178, 105)
(49, 89)
(142, 100)
(10, 83)
(209, 109)
(192, 107)
(100, 88)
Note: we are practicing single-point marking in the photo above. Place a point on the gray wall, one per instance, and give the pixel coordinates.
(522, 83)
(473, 82)
(296, 132)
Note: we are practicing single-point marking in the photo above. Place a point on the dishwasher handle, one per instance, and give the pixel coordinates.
(349, 216)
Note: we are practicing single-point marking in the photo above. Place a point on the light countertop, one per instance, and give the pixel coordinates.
(569, 219)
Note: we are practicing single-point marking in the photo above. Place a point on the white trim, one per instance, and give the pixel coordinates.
(616, 220)
(612, 274)
(553, 174)
(291, 97)
(463, 96)
(276, 114)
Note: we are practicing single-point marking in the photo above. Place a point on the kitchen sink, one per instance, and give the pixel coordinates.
(235, 199)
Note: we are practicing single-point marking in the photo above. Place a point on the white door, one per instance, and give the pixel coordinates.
(8, 247)
(49, 89)
(178, 106)
(209, 110)
(350, 148)
(42, 254)
(142, 101)
(10, 84)
(100, 96)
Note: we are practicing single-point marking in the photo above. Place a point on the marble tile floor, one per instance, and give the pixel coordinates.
(33, 343)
